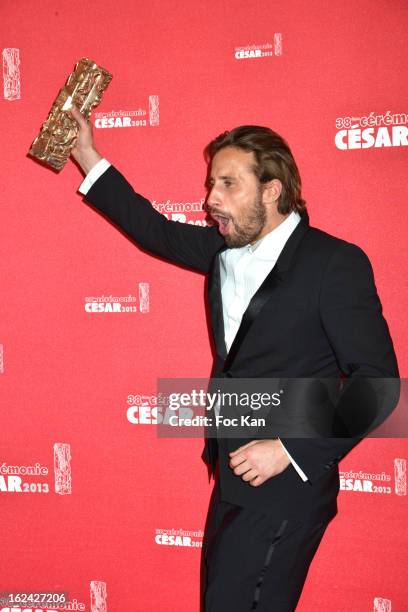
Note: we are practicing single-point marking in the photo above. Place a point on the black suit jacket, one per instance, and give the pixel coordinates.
(317, 315)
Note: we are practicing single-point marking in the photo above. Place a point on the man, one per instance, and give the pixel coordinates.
(287, 301)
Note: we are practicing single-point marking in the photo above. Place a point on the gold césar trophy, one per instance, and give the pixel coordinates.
(58, 134)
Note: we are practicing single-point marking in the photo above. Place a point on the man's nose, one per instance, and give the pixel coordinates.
(213, 197)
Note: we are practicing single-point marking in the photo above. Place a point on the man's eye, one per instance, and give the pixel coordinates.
(227, 183)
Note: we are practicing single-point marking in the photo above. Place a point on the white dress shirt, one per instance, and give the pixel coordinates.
(242, 270)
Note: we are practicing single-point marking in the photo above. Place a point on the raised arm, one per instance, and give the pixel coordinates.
(189, 245)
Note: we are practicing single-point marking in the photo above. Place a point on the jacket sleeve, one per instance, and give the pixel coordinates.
(351, 316)
(189, 245)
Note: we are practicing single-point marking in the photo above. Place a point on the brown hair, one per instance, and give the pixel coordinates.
(274, 160)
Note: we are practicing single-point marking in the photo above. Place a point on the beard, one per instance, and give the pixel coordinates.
(247, 228)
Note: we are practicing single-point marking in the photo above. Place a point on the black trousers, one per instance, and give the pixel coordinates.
(253, 561)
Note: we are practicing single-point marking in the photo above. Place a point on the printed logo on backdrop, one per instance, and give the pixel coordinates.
(179, 537)
(382, 605)
(383, 483)
(152, 409)
(125, 303)
(36, 478)
(140, 117)
(98, 596)
(255, 51)
(372, 130)
(185, 212)
(143, 410)
(11, 74)
(50, 601)
(62, 468)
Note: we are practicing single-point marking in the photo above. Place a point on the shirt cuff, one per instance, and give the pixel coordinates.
(99, 168)
(295, 465)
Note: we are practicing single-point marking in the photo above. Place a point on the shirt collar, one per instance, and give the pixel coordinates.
(269, 247)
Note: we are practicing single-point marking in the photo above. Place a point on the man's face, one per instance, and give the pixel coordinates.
(235, 197)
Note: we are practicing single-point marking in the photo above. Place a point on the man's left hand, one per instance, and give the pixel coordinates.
(259, 460)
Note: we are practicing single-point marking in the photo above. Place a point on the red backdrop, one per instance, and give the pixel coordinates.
(121, 507)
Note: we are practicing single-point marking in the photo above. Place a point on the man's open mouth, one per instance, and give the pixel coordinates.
(222, 221)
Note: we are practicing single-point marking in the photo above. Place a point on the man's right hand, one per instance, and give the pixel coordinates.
(84, 151)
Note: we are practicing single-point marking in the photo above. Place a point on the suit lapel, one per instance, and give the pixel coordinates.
(275, 277)
(215, 303)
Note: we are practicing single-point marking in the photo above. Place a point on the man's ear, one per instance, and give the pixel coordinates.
(271, 191)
